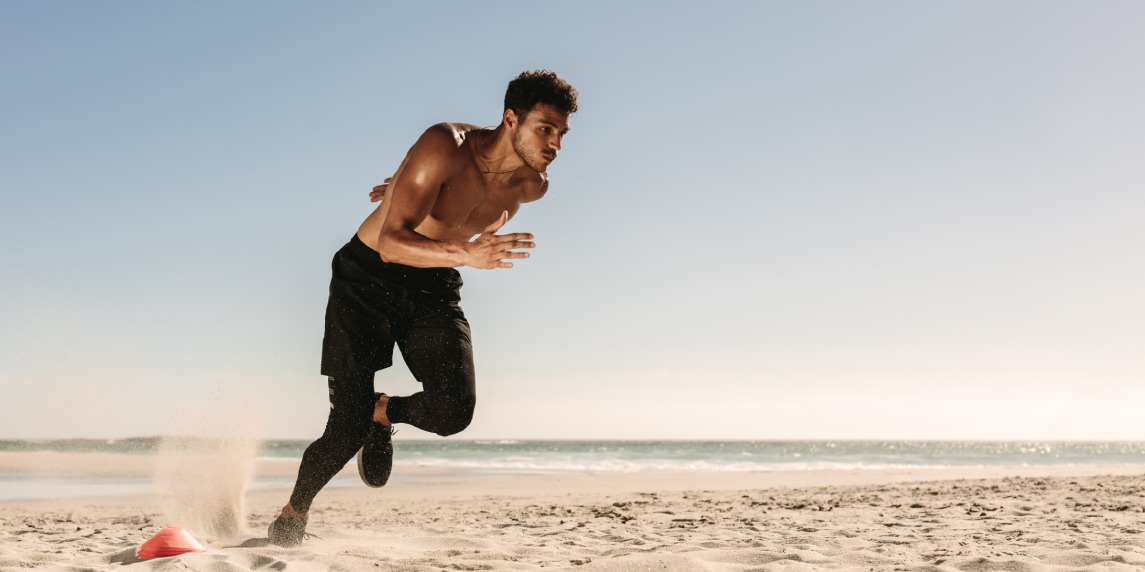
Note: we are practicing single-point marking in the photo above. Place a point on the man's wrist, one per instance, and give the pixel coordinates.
(465, 253)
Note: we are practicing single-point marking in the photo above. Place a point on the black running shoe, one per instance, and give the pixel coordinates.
(286, 531)
(376, 458)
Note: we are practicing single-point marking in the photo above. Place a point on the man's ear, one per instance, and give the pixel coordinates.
(510, 119)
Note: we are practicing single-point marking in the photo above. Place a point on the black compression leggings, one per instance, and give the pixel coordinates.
(444, 407)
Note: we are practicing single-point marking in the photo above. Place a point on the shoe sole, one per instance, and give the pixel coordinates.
(362, 471)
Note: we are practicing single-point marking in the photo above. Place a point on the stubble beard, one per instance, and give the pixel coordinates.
(530, 157)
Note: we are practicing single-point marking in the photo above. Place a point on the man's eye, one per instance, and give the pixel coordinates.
(545, 130)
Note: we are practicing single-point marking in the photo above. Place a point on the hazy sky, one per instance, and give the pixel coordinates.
(771, 220)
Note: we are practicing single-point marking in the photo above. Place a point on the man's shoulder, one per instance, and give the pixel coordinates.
(447, 136)
(537, 186)
(440, 150)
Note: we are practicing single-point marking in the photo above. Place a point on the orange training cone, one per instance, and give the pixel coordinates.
(171, 541)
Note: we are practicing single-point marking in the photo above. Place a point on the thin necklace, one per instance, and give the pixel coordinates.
(487, 170)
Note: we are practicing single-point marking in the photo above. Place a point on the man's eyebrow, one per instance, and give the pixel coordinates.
(554, 124)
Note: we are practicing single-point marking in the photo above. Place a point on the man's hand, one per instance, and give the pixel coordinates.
(491, 250)
(379, 192)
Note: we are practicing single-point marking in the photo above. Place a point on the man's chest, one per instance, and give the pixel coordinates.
(471, 203)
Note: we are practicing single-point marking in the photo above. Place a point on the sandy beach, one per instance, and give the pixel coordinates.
(970, 519)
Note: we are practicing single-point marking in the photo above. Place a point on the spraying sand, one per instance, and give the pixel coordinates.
(202, 473)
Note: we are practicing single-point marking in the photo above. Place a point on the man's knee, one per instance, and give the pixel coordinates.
(455, 415)
(350, 426)
(351, 408)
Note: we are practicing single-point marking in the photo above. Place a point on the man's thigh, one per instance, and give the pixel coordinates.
(438, 349)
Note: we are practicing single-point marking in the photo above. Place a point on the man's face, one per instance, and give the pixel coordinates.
(538, 136)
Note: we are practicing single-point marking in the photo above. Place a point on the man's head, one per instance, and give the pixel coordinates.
(537, 109)
(533, 87)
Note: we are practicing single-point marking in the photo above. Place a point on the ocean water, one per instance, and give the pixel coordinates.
(534, 457)
(665, 456)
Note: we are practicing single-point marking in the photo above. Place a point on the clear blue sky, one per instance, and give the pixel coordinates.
(770, 220)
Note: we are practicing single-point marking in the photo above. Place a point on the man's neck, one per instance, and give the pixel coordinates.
(495, 153)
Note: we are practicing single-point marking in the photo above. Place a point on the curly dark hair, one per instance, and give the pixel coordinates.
(541, 86)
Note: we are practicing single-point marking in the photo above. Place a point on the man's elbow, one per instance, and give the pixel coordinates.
(388, 248)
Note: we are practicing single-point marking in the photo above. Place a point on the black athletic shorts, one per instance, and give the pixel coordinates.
(374, 304)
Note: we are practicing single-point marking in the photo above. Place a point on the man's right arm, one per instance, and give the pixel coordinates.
(411, 196)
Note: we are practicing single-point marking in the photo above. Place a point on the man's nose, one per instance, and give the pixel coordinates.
(555, 143)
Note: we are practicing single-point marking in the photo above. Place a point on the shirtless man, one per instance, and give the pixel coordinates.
(395, 283)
